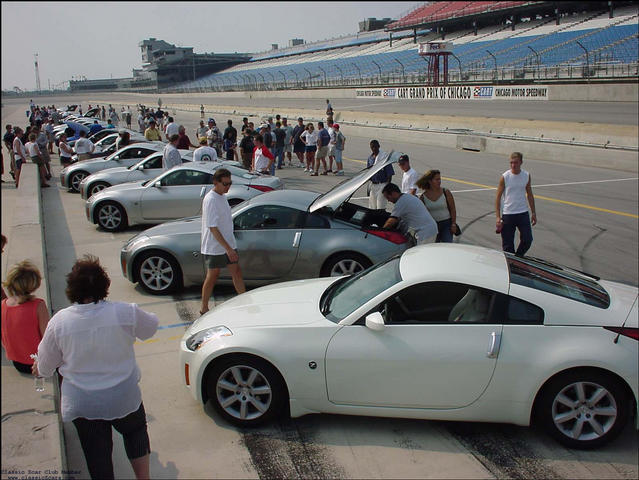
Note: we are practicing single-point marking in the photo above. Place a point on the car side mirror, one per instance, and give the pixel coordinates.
(141, 167)
(116, 158)
(157, 184)
(375, 321)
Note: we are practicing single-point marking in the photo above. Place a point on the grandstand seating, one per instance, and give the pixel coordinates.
(434, 11)
(359, 59)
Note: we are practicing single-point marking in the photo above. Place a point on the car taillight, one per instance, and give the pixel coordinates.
(261, 188)
(389, 235)
(625, 331)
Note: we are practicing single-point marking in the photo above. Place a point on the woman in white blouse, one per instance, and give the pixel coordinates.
(91, 344)
(309, 138)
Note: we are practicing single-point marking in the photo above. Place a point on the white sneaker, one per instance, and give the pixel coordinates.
(306, 169)
(340, 173)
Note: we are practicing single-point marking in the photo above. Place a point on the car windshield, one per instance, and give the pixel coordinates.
(557, 280)
(349, 293)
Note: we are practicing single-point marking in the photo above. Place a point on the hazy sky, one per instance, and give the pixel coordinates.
(100, 39)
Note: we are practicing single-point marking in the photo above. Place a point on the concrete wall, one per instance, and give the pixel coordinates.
(600, 92)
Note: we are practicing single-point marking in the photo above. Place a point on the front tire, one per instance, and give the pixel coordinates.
(583, 409)
(158, 273)
(111, 216)
(76, 179)
(246, 391)
(347, 263)
(97, 187)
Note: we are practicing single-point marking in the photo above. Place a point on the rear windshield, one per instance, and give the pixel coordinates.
(556, 280)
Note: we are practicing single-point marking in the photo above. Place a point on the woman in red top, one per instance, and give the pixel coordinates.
(24, 317)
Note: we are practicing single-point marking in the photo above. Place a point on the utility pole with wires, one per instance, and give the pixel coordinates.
(37, 72)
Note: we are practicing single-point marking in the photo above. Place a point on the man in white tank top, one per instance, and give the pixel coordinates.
(514, 185)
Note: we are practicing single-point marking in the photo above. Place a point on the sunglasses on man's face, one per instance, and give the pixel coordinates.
(226, 184)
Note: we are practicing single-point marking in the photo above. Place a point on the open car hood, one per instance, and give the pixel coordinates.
(342, 192)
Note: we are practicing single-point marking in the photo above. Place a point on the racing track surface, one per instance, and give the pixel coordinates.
(616, 113)
(587, 219)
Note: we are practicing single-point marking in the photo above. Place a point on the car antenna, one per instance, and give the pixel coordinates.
(616, 340)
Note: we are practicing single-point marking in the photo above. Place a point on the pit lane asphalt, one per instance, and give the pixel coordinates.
(191, 441)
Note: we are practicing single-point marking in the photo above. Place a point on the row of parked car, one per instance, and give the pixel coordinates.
(282, 234)
(445, 332)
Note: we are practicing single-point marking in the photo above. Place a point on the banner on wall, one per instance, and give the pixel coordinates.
(458, 92)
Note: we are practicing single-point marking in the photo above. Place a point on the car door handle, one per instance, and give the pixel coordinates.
(296, 240)
(494, 344)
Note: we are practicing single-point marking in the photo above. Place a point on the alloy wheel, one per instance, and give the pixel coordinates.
(243, 392)
(584, 411)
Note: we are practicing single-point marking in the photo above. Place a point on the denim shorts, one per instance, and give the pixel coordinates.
(310, 148)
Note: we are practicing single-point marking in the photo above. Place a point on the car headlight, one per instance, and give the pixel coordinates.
(135, 241)
(198, 339)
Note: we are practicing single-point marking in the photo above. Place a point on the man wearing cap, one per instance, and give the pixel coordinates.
(171, 156)
(409, 177)
(340, 140)
(152, 133)
(376, 200)
(214, 137)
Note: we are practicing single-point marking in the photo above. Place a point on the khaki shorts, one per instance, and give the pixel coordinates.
(321, 152)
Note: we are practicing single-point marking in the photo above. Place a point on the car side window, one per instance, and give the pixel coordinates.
(267, 217)
(155, 162)
(521, 312)
(313, 220)
(126, 154)
(187, 177)
(438, 303)
(143, 152)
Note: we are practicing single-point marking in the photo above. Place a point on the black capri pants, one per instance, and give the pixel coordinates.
(97, 443)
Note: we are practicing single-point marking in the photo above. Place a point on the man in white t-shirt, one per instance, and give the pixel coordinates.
(409, 177)
(171, 156)
(218, 241)
(83, 146)
(171, 129)
(204, 153)
(514, 185)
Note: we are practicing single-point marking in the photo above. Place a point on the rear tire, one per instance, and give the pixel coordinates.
(246, 391)
(583, 409)
(347, 263)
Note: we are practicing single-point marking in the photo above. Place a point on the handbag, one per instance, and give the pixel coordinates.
(458, 231)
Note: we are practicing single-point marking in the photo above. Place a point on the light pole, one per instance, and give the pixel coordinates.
(324, 72)
(297, 80)
(459, 62)
(537, 55)
(495, 59)
(284, 77)
(379, 69)
(403, 71)
(359, 72)
(310, 76)
(587, 58)
(340, 72)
